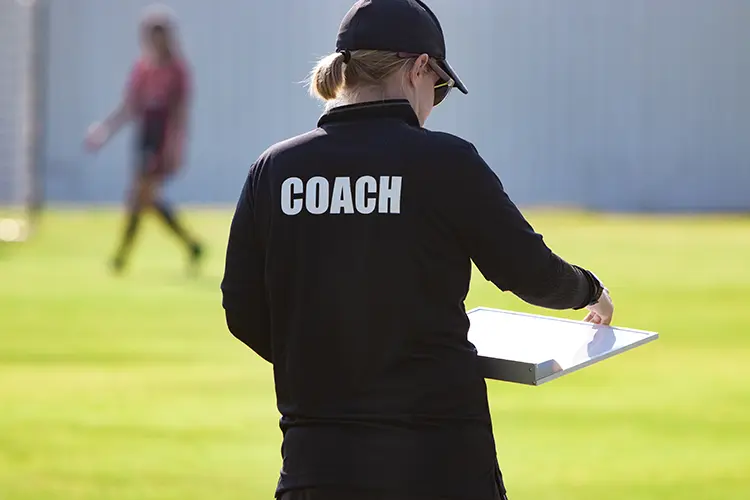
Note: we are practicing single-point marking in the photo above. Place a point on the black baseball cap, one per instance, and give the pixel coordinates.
(403, 26)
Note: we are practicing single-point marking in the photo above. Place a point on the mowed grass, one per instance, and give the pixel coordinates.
(131, 388)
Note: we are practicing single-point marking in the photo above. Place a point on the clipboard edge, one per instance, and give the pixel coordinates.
(649, 337)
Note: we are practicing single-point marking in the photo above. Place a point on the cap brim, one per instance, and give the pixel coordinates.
(452, 73)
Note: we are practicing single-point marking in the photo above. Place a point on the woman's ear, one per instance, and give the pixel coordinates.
(419, 68)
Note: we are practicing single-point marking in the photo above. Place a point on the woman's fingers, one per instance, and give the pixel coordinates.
(594, 318)
(597, 319)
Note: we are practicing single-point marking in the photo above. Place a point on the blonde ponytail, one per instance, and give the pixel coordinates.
(333, 77)
(328, 77)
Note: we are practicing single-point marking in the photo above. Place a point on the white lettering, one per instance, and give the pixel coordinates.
(289, 204)
(341, 199)
(318, 195)
(364, 186)
(390, 195)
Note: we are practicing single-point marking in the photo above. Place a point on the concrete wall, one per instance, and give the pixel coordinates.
(607, 104)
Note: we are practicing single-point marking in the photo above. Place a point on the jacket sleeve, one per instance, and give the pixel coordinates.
(243, 286)
(505, 247)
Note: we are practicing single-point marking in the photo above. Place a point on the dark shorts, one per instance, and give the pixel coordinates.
(150, 147)
(343, 494)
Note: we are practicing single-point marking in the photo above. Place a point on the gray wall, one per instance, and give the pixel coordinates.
(609, 104)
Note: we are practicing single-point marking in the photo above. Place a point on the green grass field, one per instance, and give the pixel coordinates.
(131, 388)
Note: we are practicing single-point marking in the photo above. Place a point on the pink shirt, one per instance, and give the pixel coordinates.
(157, 92)
(157, 88)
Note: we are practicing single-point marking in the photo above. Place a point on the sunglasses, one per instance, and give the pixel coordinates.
(445, 83)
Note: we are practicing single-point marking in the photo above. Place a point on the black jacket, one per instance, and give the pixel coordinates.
(348, 263)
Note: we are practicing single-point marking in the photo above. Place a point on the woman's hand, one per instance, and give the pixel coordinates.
(96, 136)
(601, 312)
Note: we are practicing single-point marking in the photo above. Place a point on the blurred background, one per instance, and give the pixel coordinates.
(621, 127)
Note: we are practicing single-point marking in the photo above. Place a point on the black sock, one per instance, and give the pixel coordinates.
(131, 229)
(170, 219)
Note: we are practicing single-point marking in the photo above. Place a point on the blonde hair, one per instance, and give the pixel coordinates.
(332, 77)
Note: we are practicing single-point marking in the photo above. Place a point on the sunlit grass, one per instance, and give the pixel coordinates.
(131, 388)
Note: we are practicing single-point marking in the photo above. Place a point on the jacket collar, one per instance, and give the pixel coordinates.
(398, 109)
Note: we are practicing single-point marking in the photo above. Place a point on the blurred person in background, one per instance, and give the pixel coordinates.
(157, 99)
(347, 267)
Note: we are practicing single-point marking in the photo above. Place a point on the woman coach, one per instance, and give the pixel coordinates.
(348, 263)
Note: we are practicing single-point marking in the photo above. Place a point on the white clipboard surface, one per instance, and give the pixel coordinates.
(531, 349)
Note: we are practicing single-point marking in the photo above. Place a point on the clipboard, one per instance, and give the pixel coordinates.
(531, 349)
